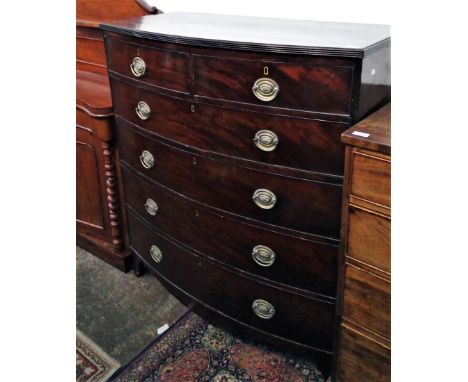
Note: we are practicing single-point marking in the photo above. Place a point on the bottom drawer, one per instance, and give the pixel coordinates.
(361, 359)
(294, 317)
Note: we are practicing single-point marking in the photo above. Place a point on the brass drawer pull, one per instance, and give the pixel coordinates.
(151, 206)
(266, 140)
(265, 89)
(263, 255)
(147, 159)
(143, 110)
(138, 67)
(264, 198)
(156, 254)
(263, 309)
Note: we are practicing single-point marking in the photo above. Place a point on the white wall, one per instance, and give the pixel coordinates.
(363, 11)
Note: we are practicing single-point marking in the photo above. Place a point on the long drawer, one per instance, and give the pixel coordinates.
(291, 260)
(288, 84)
(361, 358)
(367, 300)
(272, 310)
(301, 143)
(299, 204)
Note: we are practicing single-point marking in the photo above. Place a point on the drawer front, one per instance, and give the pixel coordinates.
(296, 262)
(302, 86)
(164, 68)
(367, 301)
(361, 359)
(295, 317)
(301, 205)
(369, 238)
(371, 177)
(293, 142)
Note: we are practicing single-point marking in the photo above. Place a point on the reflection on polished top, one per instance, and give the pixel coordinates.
(242, 32)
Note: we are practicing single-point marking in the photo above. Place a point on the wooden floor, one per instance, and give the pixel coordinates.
(118, 311)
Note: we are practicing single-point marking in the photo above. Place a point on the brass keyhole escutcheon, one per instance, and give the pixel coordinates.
(265, 70)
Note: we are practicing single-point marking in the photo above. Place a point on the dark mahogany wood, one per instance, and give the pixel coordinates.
(164, 68)
(215, 285)
(258, 34)
(303, 205)
(302, 86)
(204, 115)
(303, 143)
(301, 261)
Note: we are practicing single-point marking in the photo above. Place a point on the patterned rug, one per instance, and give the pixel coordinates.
(92, 364)
(194, 351)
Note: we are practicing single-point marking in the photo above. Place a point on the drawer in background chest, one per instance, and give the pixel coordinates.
(167, 69)
(299, 204)
(290, 260)
(371, 180)
(367, 300)
(301, 143)
(304, 85)
(263, 307)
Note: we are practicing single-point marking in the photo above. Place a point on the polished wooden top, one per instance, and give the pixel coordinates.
(372, 133)
(258, 34)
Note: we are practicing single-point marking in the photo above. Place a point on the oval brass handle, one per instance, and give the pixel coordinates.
(263, 255)
(264, 198)
(263, 309)
(151, 207)
(156, 254)
(147, 159)
(138, 67)
(265, 89)
(143, 110)
(266, 140)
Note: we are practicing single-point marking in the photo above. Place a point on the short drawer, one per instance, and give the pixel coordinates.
(263, 307)
(299, 204)
(291, 85)
(371, 177)
(362, 359)
(369, 238)
(286, 141)
(155, 66)
(367, 301)
(294, 261)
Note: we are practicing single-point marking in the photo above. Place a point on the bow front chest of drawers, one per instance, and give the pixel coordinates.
(229, 140)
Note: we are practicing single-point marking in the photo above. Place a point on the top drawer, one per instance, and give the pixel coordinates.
(370, 178)
(303, 86)
(163, 68)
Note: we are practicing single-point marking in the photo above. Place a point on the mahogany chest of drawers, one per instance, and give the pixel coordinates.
(229, 140)
(364, 343)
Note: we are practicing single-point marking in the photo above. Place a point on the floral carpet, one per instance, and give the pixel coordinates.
(195, 351)
(92, 364)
